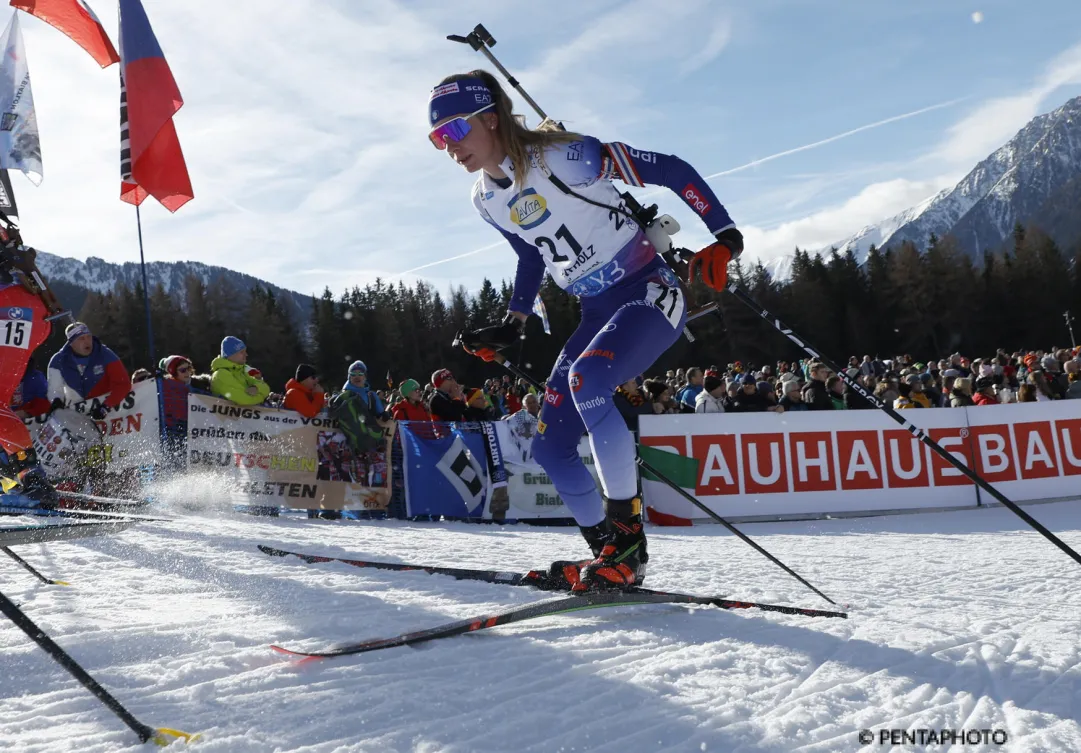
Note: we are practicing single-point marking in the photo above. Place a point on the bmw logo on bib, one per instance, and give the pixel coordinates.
(668, 277)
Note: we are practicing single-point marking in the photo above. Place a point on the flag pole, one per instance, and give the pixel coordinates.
(146, 291)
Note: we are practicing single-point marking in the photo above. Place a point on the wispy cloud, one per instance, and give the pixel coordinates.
(969, 140)
(716, 43)
(873, 204)
(994, 122)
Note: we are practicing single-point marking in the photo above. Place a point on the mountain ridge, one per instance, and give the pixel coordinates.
(99, 276)
(1015, 183)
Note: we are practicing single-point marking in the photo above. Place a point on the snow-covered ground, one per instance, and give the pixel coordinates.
(962, 620)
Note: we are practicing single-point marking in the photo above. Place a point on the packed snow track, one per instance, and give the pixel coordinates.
(963, 621)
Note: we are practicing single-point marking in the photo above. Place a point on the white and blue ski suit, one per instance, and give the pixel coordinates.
(632, 306)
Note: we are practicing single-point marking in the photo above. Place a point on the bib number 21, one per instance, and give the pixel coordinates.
(669, 300)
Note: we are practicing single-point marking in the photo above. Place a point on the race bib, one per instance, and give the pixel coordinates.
(668, 299)
(16, 326)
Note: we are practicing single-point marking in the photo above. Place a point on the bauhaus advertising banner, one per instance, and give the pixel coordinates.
(813, 463)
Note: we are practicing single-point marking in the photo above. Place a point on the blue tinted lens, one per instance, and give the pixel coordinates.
(452, 130)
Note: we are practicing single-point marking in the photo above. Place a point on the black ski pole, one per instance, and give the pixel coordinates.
(479, 39)
(743, 537)
(914, 430)
(513, 369)
(161, 736)
(30, 569)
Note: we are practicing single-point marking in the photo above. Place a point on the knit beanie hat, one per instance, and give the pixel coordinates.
(76, 329)
(441, 376)
(304, 371)
(172, 363)
(408, 387)
(358, 367)
(231, 346)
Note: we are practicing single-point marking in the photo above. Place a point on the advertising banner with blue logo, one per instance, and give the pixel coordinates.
(446, 469)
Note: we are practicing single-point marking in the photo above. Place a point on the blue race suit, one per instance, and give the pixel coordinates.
(632, 306)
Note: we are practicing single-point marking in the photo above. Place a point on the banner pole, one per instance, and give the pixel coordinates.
(146, 291)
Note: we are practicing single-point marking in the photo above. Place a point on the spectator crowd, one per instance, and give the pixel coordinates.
(901, 382)
(85, 368)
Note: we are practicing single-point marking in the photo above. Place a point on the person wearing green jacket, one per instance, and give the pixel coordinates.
(360, 412)
(230, 379)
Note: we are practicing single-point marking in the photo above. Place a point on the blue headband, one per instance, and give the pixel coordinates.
(462, 97)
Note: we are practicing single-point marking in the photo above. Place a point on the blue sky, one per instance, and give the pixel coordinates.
(304, 123)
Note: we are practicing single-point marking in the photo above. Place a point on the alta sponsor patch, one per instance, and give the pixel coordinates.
(693, 196)
(439, 91)
(528, 209)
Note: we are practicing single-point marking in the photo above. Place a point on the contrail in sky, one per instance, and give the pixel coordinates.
(754, 163)
(838, 137)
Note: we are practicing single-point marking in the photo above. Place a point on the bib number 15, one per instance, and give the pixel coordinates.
(15, 334)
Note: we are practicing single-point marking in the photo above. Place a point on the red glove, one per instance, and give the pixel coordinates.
(713, 261)
(483, 353)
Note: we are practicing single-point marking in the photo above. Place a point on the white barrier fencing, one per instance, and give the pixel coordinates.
(271, 457)
(768, 465)
(69, 443)
(742, 466)
(532, 494)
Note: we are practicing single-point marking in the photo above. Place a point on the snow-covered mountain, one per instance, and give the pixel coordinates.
(1014, 184)
(100, 276)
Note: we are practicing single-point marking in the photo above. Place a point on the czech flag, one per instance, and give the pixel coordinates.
(74, 18)
(151, 161)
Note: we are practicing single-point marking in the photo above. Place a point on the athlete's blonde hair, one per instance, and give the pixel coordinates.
(515, 138)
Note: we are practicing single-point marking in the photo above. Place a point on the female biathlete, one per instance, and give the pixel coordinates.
(550, 194)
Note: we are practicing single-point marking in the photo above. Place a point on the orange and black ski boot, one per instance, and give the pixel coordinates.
(622, 562)
(562, 575)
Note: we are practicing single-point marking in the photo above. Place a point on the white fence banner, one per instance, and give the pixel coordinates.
(532, 494)
(817, 463)
(273, 457)
(129, 436)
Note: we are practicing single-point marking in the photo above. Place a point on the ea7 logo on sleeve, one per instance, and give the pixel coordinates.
(693, 196)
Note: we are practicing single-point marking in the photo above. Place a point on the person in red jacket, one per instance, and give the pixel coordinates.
(411, 406)
(304, 394)
(985, 391)
(25, 304)
(85, 368)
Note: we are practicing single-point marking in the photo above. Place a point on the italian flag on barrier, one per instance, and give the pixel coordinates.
(682, 470)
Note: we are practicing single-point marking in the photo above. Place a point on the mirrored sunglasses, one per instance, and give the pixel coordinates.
(453, 130)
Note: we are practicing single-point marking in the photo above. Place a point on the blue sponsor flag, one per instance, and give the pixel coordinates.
(445, 470)
(539, 310)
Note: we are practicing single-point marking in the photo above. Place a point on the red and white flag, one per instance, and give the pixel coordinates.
(74, 18)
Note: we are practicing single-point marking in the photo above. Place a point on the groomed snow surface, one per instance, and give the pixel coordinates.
(964, 620)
